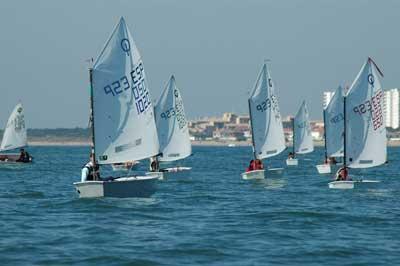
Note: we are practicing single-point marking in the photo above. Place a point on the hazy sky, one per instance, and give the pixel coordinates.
(214, 48)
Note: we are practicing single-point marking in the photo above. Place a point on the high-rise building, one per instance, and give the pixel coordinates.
(391, 108)
(326, 98)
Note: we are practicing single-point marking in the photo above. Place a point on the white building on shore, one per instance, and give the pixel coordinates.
(391, 105)
(326, 98)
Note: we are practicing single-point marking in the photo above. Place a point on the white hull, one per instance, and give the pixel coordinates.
(255, 174)
(13, 164)
(124, 187)
(324, 168)
(349, 184)
(124, 167)
(275, 171)
(292, 162)
(11, 159)
(176, 172)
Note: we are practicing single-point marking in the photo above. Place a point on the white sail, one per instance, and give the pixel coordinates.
(334, 124)
(266, 123)
(303, 142)
(172, 128)
(365, 128)
(15, 132)
(124, 123)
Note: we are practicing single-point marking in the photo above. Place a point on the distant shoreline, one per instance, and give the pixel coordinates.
(58, 143)
(194, 143)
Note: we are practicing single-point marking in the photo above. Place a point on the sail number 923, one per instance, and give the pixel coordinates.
(136, 83)
(372, 106)
(270, 102)
(176, 111)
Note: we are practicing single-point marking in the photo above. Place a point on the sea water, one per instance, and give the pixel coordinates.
(212, 217)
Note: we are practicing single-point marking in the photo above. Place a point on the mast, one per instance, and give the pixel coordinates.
(344, 131)
(294, 153)
(326, 152)
(252, 135)
(92, 151)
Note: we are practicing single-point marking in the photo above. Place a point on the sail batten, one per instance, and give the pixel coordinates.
(172, 127)
(365, 129)
(122, 109)
(303, 142)
(15, 136)
(334, 124)
(266, 122)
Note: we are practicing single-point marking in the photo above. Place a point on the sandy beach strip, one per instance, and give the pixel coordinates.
(194, 143)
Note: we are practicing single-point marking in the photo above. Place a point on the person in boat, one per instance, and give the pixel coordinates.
(128, 165)
(89, 172)
(154, 165)
(24, 156)
(251, 166)
(256, 164)
(332, 160)
(342, 174)
(290, 155)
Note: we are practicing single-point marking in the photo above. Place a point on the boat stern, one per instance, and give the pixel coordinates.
(256, 174)
(292, 162)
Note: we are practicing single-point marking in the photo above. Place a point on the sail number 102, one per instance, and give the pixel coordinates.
(136, 83)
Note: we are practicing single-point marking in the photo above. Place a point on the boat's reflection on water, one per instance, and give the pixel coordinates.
(270, 183)
(129, 202)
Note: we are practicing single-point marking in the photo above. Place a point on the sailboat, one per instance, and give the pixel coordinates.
(268, 139)
(172, 129)
(122, 118)
(302, 138)
(364, 128)
(14, 137)
(333, 130)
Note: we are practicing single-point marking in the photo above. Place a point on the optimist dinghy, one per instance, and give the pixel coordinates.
(333, 131)
(268, 139)
(173, 131)
(350, 184)
(14, 138)
(364, 129)
(123, 126)
(302, 138)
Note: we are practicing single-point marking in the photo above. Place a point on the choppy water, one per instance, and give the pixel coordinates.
(211, 218)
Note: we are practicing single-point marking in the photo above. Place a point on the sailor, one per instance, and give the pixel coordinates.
(291, 155)
(258, 164)
(251, 166)
(154, 165)
(89, 172)
(332, 160)
(128, 165)
(24, 156)
(342, 174)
